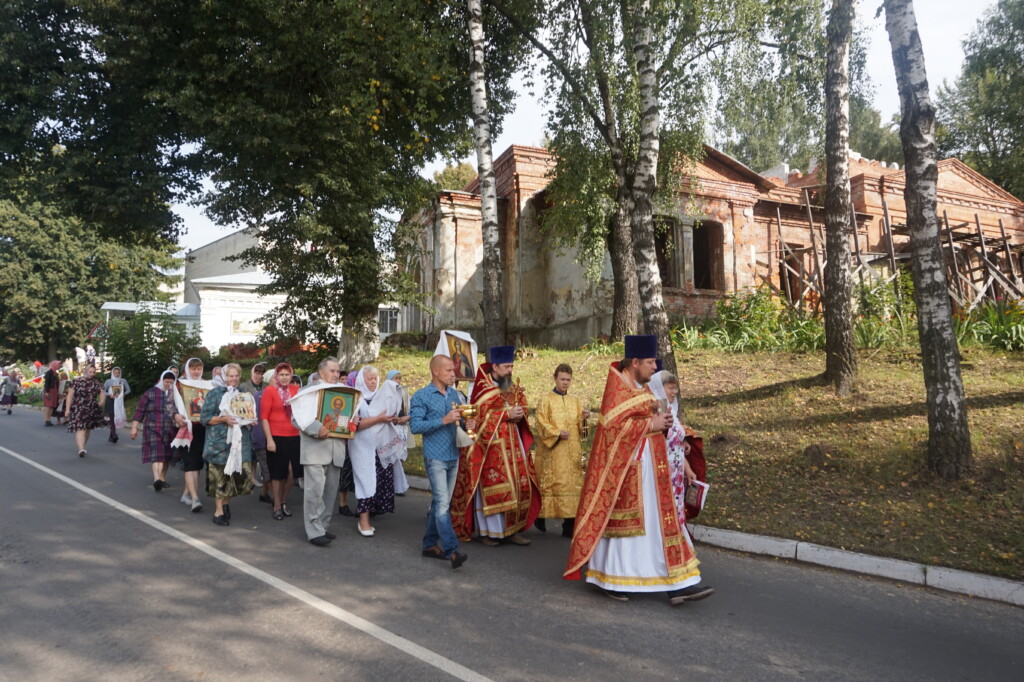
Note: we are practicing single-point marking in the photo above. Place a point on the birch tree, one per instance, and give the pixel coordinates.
(493, 301)
(627, 80)
(949, 438)
(840, 352)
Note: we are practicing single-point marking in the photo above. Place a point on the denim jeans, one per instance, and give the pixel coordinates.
(439, 521)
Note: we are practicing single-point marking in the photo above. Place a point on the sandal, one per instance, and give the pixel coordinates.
(285, 510)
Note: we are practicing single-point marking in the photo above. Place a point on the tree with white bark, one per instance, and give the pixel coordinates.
(628, 80)
(949, 437)
(493, 304)
(840, 351)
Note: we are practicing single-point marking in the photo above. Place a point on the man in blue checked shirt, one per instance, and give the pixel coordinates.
(433, 416)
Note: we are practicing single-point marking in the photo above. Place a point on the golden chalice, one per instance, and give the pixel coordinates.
(468, 411)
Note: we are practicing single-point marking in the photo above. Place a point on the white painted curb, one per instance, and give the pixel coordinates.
(948, 579)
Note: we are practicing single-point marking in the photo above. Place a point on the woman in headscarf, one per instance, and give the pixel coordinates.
(313, 379)
(51, 396)
(10, 387)
(282, 437)
(228, 415)
(665, 385)
(116, 388)
(195, 433)
(62, 397)
(83, 412)
(158, 411)
(401, 481)
(377, 445)
(217, 376)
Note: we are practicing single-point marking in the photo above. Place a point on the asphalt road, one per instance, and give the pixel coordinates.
(90, 590)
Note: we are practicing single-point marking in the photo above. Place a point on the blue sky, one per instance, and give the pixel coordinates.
(943, 24)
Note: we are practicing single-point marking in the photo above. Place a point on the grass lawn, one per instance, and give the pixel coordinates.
(786, 458)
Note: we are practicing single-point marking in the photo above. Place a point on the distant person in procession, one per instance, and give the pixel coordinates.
(85, 407)
(157, 414)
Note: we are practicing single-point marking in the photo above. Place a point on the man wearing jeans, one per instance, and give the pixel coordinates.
(433, 416)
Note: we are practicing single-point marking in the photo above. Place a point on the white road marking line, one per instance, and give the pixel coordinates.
(397, 641)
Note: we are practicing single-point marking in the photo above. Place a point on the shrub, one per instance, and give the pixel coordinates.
(146, 344)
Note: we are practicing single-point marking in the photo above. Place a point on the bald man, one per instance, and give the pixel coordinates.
(434, 416)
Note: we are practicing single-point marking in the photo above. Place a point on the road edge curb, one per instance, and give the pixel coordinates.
(938, 577)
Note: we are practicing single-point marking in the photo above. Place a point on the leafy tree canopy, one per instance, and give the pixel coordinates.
(57, 274)
(981, 116)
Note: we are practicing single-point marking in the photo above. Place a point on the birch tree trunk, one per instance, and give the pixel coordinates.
(493, 301)
(949, 437)
(840, 353)
(645, 180)
(626, 295)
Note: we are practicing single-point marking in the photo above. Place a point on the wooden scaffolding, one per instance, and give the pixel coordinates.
(979, 267)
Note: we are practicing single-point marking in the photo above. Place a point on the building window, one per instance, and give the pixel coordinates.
(667, 247)
(707, 256)
(387, 319)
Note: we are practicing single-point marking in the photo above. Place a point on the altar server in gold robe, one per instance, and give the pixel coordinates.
(559, 459)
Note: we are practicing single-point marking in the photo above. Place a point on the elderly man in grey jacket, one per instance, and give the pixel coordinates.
(321, 458)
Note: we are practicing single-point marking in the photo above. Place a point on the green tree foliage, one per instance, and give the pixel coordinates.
(57, 273)
(981, 116)
(145, 345)
(312, 120)
(777, 116)
(80, 128)
(454, 176)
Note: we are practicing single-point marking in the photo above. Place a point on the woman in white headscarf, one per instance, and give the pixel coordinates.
(665, 385)
(377, 445)
(158, 415)
(195, 433)
(117, 389)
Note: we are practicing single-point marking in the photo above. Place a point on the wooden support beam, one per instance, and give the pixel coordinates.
(890, 246)
(1009, 256)
(818, 268)
(953, 256)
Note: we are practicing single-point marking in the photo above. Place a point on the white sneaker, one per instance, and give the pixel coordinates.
(197, 506)
(186, 498)
(299, 481)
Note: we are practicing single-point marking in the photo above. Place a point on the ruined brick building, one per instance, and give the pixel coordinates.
(732, 229)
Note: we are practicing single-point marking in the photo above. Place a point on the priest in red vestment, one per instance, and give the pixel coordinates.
(627, 528)
(496, 493)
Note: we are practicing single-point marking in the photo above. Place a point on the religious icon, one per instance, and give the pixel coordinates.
(193, 399)
(464, 369)
(115, 390)
(336, 407)
(243, 406)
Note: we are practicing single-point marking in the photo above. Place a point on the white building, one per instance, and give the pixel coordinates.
(217, 296)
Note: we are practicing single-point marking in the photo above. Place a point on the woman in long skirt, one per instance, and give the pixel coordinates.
(84, 413)
(161, 419)
(377, 445)
(51, 397)
(117, 389)
(223, 426)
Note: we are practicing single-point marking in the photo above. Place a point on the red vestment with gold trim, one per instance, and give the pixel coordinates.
(497, 463)
(611, 505)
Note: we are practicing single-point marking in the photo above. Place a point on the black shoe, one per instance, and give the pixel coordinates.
(285, 510)
(541, 525)
(81, 453)
(345, 511)
(457, 559)
(47, 423)
(278, 516)
(691, 593)
(114, 440)
(227, 512)
(266, 498)
(159, 485)
(330, 536)
(321, 541)
(617, 596)
(568, 526)
(221, 521)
